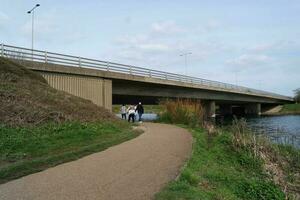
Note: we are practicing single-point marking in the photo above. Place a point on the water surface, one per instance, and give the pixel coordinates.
(283, 129)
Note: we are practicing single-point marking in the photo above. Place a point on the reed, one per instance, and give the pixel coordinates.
(182, 111)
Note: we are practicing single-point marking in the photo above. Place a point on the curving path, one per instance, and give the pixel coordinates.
(135, 169)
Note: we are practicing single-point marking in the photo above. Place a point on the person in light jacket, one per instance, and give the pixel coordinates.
(131, 113)
(123, 111)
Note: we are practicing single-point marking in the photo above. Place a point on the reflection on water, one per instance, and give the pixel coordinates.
(281, 129)
(284, 129)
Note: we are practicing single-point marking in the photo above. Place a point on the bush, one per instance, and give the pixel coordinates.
(180, 111)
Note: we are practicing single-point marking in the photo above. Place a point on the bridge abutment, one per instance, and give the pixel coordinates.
(96, 89)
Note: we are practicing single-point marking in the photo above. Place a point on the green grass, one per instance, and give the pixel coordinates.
(291, 108)
(217, 171)
(28, 150)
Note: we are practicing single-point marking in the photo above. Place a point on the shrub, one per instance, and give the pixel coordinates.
(188, 112)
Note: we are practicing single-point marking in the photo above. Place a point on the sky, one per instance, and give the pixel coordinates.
(253, 43)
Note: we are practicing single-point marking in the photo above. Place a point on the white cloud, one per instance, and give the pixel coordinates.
(166, 27)
(161, 45)
(3, 19)
(281, 45)
(48, 28)
(247, 61)
(153, 47)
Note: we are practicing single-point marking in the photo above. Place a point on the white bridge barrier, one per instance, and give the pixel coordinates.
(21, 53)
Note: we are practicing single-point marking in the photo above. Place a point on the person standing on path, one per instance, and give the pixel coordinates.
(140, 110)
(123, 111)
(131, 113)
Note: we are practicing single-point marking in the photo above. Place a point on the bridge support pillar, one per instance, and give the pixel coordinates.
(253, 109)
(209, 110)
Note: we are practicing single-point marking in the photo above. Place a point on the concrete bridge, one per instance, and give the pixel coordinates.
(106, 83)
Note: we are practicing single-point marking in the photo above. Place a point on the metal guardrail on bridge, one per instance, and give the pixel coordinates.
(75, 61)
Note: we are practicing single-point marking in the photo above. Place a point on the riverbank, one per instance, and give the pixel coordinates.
(290, 109)
(230, 162)
(219, 169)
(286, 109)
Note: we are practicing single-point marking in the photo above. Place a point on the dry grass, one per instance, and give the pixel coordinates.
(282, 163)
(27, 99)
(182, 111)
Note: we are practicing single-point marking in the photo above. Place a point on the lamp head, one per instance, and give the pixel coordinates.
(37, 5)
(29, 12)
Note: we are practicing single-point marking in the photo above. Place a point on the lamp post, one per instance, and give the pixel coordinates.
(32, 28)
(185, 60)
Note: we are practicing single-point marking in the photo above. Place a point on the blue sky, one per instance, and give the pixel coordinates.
(251, 43)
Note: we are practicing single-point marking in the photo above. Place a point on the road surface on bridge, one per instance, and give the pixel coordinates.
(135, 169)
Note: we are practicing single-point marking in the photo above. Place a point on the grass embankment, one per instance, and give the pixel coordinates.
(216, 171)
(27, 100)
(290, 109)
(28, 150)
(41, 127)
(232, 163)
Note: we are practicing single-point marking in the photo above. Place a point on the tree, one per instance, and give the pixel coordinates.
(297, 95)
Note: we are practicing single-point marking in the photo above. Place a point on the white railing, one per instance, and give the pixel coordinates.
(75, 61)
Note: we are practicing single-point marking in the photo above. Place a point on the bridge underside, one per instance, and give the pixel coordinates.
(107, 88)
(130, 92)
(156, 91)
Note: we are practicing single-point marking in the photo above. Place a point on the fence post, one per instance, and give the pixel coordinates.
(46, 57)
(79, 61)
(2, 50)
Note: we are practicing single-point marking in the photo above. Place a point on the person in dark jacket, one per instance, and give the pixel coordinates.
(140, 111)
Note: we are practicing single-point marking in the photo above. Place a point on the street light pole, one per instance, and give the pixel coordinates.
(185, 60)
(32, 25)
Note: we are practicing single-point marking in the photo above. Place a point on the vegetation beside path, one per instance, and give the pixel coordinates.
(41, 127)
(231, 163)
(31, 149)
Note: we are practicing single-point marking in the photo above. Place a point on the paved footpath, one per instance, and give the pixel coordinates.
(133, 170)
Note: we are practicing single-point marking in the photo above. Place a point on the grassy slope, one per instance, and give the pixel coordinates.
(27, 150)
(41, 127)
(290, 109)
(216, 171)
(27, 100)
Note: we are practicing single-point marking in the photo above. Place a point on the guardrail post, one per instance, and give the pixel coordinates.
(130, 69)
(150, 73)
(79, 61)
(107, 66)
(46, 57)
(166, 76)
(2, 50)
